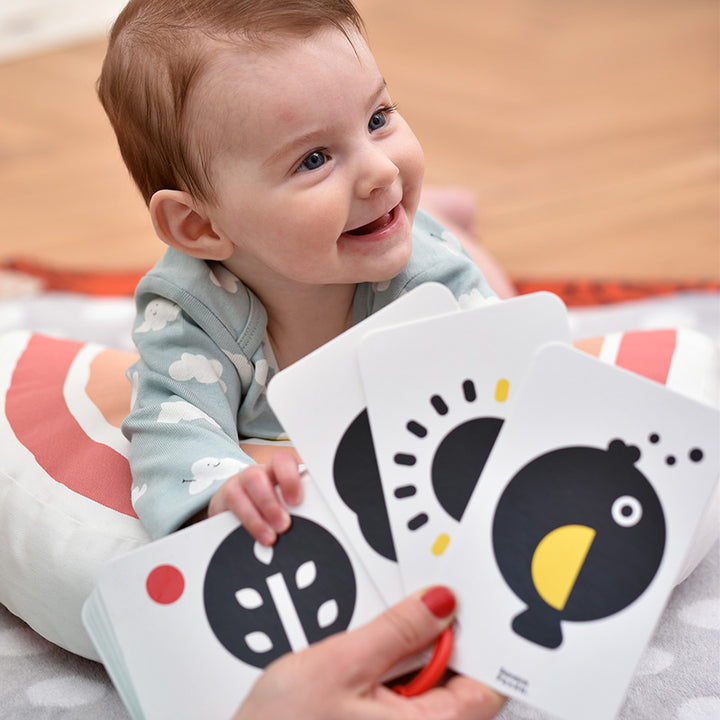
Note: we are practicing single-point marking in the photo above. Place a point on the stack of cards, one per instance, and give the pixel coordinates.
(187, 624)
(555, 494)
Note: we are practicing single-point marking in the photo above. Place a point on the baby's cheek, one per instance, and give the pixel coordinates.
(412, 170)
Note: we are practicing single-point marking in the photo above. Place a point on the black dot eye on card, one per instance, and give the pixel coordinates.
(262, 602)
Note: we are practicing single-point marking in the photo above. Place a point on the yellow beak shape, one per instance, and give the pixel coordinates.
(557, 562)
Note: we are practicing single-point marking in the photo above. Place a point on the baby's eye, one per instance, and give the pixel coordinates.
(380, 118)
(377, 121)
(313, 161)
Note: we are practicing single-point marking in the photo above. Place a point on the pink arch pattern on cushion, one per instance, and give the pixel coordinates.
(36, 409)
(648, 353)
(107, 388)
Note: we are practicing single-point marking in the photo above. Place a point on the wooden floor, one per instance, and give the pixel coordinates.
(587, 129)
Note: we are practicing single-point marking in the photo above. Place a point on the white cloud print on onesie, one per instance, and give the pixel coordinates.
(159, 312)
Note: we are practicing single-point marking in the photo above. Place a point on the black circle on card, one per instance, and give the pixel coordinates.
(357, 480)
(459, 461)
(307, 565)
(578, 534)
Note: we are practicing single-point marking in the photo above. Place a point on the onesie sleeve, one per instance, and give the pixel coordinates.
(183, 422)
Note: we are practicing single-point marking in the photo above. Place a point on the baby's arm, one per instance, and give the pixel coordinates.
(184, 422)
(251, 495)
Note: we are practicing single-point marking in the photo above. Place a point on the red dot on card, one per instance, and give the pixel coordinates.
(165, 584)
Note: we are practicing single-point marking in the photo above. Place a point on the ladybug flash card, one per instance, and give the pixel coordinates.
(577, 532)
(186, 624)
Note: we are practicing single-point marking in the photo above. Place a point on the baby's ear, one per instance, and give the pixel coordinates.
(181, 223)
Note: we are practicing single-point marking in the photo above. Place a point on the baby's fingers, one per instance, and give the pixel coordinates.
(283, 469)
(252, 498)
(260, 488)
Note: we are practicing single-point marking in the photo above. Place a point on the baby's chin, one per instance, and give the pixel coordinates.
(391, 271)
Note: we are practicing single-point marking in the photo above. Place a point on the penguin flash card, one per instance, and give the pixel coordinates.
(438, 391)
(210, 603)
(577, 532)
(320, 402)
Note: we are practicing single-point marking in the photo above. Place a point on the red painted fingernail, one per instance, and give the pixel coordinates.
(440, 601)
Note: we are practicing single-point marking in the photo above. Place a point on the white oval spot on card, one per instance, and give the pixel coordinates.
(263, 553)
(327, 613)
(305, 575)
(249, 598)
(258, 641)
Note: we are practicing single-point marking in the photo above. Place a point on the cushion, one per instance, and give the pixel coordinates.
(64, 479)
(65, 484)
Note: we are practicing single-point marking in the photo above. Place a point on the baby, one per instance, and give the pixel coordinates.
(286, 184)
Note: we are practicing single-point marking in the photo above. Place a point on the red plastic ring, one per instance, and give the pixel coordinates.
(430, 675)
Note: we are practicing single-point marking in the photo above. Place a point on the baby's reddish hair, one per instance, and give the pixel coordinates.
(158, 49)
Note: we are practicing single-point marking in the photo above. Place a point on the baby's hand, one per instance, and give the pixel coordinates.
(251, 496)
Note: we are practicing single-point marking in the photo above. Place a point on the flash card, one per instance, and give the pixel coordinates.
(438, 392)
(320, 402)
(577, 532)
(211, 604)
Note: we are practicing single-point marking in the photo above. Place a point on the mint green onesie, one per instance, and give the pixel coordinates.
(205, 363)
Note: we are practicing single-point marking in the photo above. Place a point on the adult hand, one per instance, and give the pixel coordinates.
(340, 677)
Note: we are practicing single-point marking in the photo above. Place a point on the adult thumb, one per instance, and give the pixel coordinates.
(404, 629)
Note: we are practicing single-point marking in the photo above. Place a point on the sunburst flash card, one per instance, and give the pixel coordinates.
(577, 532)
(186, 624)
(320, 403)
(438, 391)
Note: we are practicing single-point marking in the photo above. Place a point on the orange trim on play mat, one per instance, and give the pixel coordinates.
(604, 292)
(85, 282)
(572, 292)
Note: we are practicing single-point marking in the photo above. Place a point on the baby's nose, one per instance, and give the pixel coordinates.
(377, 172)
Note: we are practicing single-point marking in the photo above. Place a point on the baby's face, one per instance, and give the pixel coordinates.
(317, 177)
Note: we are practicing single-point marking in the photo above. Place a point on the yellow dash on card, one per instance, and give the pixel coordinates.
(502, 389)
(440, 544)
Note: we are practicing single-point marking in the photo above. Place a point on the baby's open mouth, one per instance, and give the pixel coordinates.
(377, 224)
